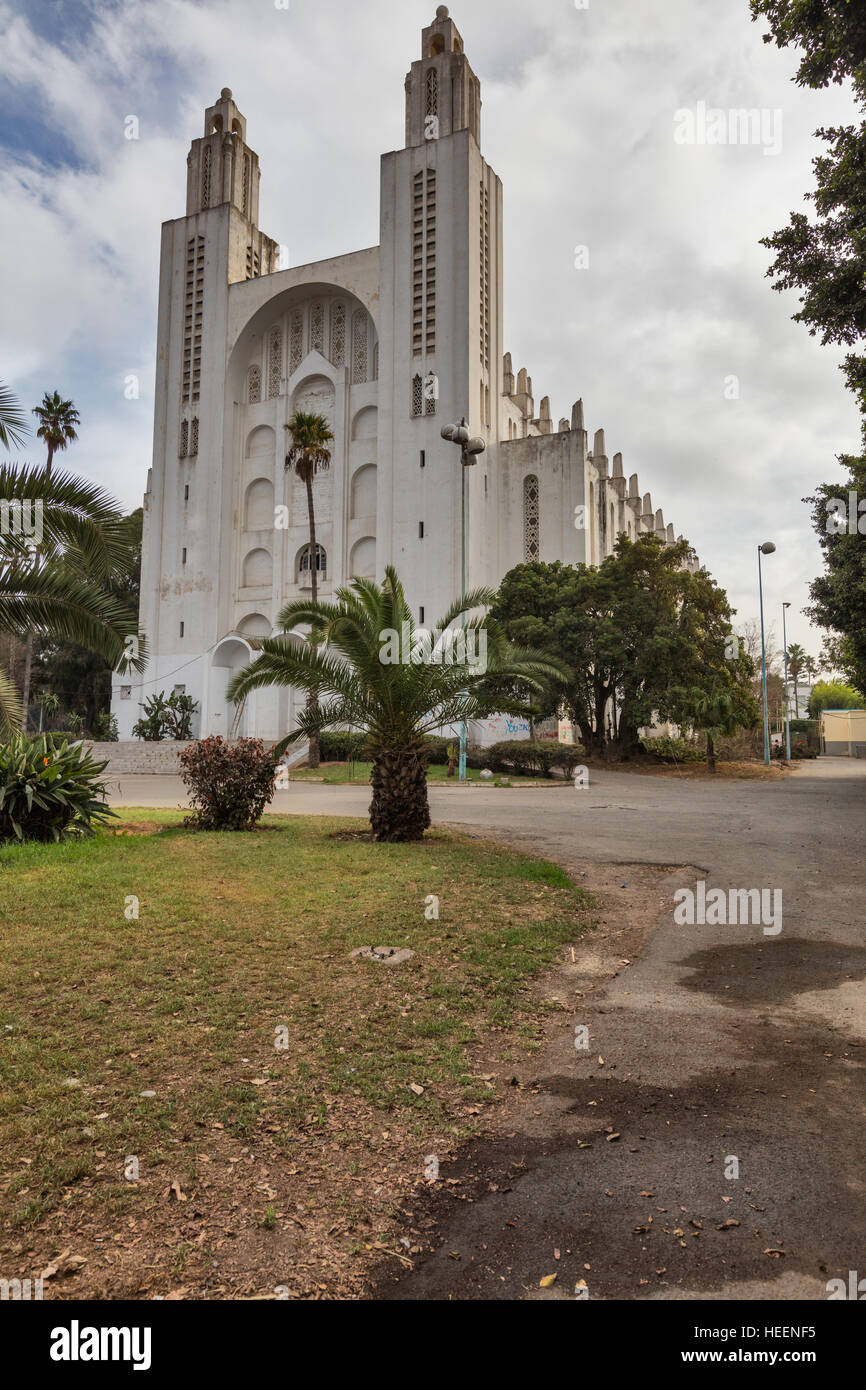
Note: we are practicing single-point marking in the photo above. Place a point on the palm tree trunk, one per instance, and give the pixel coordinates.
(315, 757)
(28, 648)
(796, 699)
(399, 810)
(711, 753)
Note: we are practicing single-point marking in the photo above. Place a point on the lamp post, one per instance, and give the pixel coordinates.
(767, 548)
(470, 448)
(785, 607)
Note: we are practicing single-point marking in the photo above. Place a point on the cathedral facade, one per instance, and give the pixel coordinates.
(390, 344)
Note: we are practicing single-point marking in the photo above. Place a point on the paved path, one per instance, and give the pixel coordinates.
(718, 1042)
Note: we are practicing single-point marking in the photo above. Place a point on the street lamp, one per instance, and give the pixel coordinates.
(470, 448)
(785, 607)
(768, 548)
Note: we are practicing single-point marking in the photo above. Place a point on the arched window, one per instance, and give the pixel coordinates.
(432, 85)
(304, 563)
(275, 361)
(254, 385)
(531, 543)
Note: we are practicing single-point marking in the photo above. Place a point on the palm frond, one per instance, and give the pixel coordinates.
(13, 422)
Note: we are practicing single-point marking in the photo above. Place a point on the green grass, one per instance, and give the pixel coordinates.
(358, 774)
(239, 935)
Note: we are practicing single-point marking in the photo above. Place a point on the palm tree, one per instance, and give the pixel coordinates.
(397, 699)
(310, 436)
(13, 421)
(67, 597)
(796, 658)
(718, 712)
(57, 420)
(810, 670)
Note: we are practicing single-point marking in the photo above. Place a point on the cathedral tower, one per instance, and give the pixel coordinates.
(441, 323)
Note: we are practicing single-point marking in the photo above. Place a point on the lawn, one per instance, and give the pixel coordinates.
(296, 1093)
(358, 774)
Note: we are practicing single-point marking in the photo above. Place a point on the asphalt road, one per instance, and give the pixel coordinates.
(708, 1044)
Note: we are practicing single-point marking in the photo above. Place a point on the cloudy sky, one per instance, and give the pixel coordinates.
(579, 121)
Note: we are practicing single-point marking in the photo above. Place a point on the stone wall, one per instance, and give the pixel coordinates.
(152, 759)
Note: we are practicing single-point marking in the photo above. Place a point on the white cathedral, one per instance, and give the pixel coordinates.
(390, 344)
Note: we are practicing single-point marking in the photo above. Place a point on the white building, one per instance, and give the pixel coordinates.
(390, 343)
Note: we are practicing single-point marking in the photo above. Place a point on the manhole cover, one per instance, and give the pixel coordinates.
(382, 955)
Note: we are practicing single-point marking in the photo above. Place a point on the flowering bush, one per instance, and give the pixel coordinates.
(230, 783)
(49, 789)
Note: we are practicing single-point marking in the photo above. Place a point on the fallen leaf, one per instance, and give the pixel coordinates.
(548, 1281)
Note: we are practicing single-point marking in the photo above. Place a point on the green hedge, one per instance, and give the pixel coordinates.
(343, 746)
(533, 759)
(673, 750)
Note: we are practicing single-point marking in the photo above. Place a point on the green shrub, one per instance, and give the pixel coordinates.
(166, 717)
(343, 746)
(673, 750)
(49, 789)
(437, 751)
(230, 783)
(533, 759)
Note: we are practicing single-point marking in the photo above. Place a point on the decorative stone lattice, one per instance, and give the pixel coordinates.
(317, 327)
(205, 177)
(417, 395)
(193, 438)
(275, 361)
(359, 345)
(296, 340)
(338, 333)
(184, 439)
(531, 517)
(254, 385)
(432, 103)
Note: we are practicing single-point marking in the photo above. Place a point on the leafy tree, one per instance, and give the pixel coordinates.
(82, 531)
(834, 695)
(310, 437)
(824, 258)
(396, 697)
(57, 421)
(719, 712)
(82, 678)
(635, 634)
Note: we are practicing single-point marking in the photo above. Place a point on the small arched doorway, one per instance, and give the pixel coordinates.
(223, 716)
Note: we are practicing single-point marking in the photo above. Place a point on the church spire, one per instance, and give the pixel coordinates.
(443, 95)
(221, 166)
